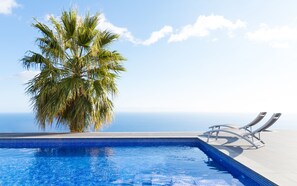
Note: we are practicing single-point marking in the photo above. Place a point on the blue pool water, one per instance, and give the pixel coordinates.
(111, 161)
(130, 165)
(145, 122)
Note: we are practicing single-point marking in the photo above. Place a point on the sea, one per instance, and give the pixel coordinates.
(149, 122)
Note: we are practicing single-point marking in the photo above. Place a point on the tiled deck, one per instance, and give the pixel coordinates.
(277, 160)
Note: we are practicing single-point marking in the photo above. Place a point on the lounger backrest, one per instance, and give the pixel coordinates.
(270, 122)
(260, 116)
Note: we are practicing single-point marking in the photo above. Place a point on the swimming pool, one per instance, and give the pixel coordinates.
(141, 161)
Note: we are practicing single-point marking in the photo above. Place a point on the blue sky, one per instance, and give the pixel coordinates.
(189, 56)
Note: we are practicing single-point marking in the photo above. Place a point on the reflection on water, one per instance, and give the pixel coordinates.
(74, 152)
(72, 166)
(215, 166)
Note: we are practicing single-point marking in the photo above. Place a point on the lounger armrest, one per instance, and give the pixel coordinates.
(222, 125)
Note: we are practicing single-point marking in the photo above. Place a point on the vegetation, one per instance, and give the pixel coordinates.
(77, 76)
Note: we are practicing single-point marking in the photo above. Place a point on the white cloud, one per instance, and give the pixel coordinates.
(6, 6)
(200, 28)
(157, 35)
(25, 76)
(124, 32)
(277, 37)
(205, 24)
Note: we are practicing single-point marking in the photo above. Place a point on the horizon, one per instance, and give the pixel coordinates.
(206, 58)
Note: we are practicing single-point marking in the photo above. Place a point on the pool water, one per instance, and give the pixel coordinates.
(130, 165)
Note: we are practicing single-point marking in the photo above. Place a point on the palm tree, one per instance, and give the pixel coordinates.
(77, 76)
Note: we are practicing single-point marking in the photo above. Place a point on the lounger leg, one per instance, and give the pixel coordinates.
(217, 133)
(208, 136)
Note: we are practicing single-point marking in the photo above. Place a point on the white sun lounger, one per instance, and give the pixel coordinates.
(253, 137)
(247, 127)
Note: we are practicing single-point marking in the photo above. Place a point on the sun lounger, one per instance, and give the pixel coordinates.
(253, 137)
(247, 127)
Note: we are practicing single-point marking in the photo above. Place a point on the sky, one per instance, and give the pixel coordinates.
(182, 55)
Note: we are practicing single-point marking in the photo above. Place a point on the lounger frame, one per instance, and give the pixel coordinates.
(249, 136)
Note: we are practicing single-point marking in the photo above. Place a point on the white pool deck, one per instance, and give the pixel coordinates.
(277, 160)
